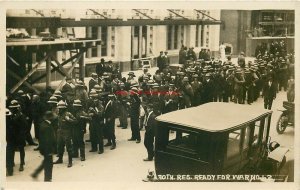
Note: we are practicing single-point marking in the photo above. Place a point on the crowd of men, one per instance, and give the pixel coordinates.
(62, 117)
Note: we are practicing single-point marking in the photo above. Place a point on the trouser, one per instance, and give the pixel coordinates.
(78, 142)
(28, 129)
(10, 153)
(47, 166)
(64, 138)
(97, 136)
(36, 123)
(196, 100)
(149, 143)
(110, 125)
(239, 95)
(218, 97)
(123, 116)
(135, 128)
(268, 103)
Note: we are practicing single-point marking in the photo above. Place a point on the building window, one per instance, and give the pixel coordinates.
(144, 41)
(103, 41)
(197, 36)
(94, 36)
(202, 36)
(173, 36)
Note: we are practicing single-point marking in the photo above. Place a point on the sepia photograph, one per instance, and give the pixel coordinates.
(150, 95)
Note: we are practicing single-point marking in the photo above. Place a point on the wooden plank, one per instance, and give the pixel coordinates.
(19, 78)
(69, 72)
(48, 72)
(55, 69)
(14, 61)
(28, 75)
(61, 68)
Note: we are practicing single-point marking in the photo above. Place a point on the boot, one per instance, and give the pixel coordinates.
(70, 161)
(75, 154)
(108, 144)
(58, 161)
(10, 171)
(113, 146)
(21, 168)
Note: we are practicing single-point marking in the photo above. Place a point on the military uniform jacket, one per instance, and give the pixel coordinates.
(47, 138)
(92, 83)
(19, 123)
(66, 121)
(110, 110)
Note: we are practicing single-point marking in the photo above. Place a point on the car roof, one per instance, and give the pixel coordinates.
(214, 116)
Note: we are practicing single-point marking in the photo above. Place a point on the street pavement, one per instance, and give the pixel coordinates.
(125, 163)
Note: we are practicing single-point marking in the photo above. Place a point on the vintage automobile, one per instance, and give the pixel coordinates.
(286, 118)
(216, 138)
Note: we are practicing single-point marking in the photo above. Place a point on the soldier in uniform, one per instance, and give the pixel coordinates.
(68, 91)
(81, 94)
(64, 132)
(110, 116)
(25, 104)
(18, 124)
(52, 105)
(95, 111)
(150, 125)
(135, 103)
(79, 129)
(47, 142)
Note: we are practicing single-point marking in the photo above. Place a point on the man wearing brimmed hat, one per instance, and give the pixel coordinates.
(187, 92)
(130, 80)
(150, 126)
(46, 147)
(197, 89)
(208, 87)
(122, 100)
(160, 62)
(64, 132)
(135, 103)
(171, 99)
(79, 128)
(239, 80)
(100, 67)
(283, 75)
(110, 116)
(18, 123)
(269, 92)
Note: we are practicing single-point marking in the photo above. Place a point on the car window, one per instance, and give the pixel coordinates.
(247, 137)
(233, 145)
